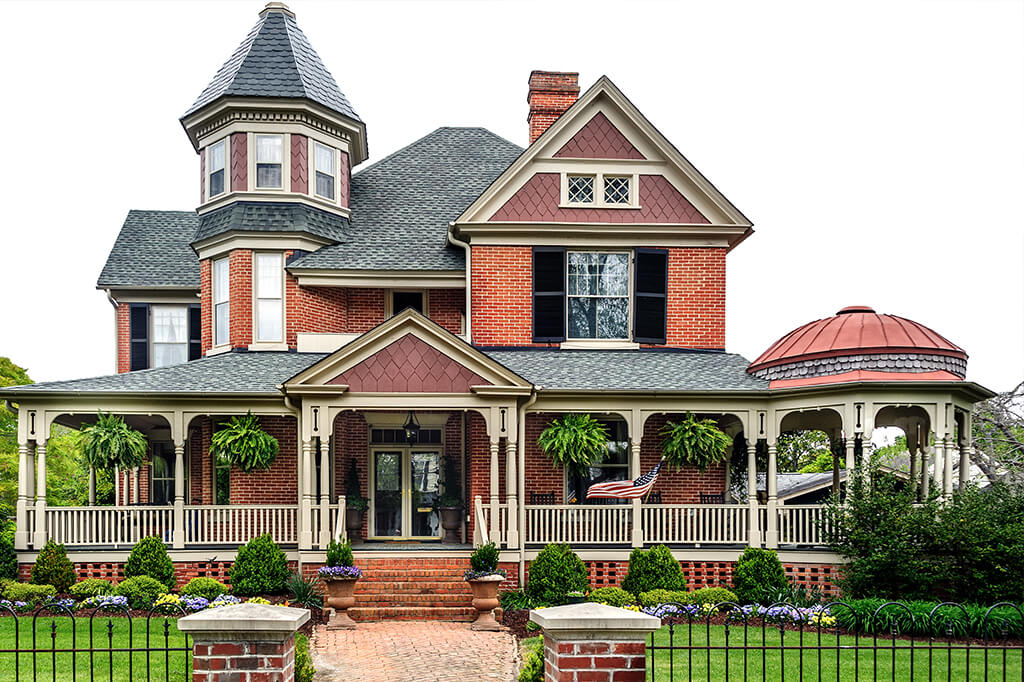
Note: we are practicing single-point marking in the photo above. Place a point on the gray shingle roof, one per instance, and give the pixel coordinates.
(402, 204)
(276, 60)
(250, 373)
(152, 250)
(253, 216)
(630, 370)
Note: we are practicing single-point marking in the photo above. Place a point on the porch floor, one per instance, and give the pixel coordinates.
(408, 546)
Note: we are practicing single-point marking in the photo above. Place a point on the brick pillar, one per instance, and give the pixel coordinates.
(594, 642)
(244, 643)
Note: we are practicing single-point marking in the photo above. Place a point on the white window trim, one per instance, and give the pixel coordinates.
(311, 155)
(276, 344)
(599, 201)
(213, 303)
(286, 166)
(389, 303)
(152, 333)
(226, 141)
(627, 341)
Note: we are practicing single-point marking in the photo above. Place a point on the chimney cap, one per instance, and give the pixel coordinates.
(276, 7)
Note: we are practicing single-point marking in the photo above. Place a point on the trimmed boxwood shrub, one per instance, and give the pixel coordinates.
(91, 587)
(613, 596)
(758, 574)
(142, 591)
(304, 670)
(653, 569)
(340, 553)
(27, 592)
(533, 661)
(207, 588)
(52, 567)
(484, 558)
(655, 597)
(555, 572)
(260, 568)
(712, 595)
(149, 557)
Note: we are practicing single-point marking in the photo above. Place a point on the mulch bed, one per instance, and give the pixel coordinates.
(516, 621)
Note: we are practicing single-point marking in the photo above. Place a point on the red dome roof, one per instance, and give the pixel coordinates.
(856, 330)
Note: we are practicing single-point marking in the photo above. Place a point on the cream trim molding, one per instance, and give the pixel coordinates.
(390, 279)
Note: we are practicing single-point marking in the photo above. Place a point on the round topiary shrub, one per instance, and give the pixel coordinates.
(260, 568)
(207, 588)
(142, 591)
(91, 587)
(653, 569)
(757, 575)
(52, 567)
(555, 572)
(149, 557)
(613, 596)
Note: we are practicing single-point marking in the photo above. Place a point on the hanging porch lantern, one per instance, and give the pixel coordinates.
(412, 429)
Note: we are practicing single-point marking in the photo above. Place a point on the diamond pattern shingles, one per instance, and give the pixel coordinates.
(537, 201)
(409, 365)
(599, 139)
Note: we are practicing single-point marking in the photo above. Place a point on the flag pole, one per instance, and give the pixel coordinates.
(648, 495)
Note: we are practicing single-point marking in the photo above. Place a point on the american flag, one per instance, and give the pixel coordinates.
(626, 489)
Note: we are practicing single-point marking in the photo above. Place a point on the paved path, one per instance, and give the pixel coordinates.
(406, 651)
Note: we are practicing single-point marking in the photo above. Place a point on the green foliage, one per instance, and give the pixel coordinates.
(10, 375)
(149, 557)
(304, 670)
(340, 553)
(555, 572)
(110, 442)
(821, 464)
(242, 442)
(659, 596)
(515, 600)
(712, 595)
(860, 617)
(705, 595)
(797, 595)
(694, 442)
(27, 592)
(142, 591)
(799, 450)
(91, 587)
(305, 591)
(758, 574)
(533, 660)
(353, 495)
(207, 588)
(260, 568)
(653, 569)
(451, 490)
(52, 567)
(575, 441)
(8, 555)
(613, 596)
(484, 558)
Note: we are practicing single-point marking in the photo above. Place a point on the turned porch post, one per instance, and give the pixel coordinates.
(851, 460)
(495, 491)
(306, 496)
(39, 537)
(965, 451)
(21, 537)
(755, 516)
(634, 468)
(178, 535)
(511, 487)
(772, 535)
(926, 471)
(947, 479)
(135, 485)
(325, 490)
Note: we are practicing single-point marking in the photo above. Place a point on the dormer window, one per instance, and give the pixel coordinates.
(269, 159)
(581, 189)
(323, 157)
(217, 158)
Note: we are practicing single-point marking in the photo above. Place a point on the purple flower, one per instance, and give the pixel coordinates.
(194, 603)
(332, 572)
(473, 575)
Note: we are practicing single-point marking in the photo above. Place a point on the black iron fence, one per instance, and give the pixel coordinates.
(54, 643)
(834, 642)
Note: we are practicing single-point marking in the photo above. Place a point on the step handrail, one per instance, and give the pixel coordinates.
(480, 533)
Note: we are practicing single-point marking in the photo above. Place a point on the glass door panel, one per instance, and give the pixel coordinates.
(425, 472)
(387, 493)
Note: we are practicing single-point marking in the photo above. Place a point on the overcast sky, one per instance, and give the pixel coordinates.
(878, 147)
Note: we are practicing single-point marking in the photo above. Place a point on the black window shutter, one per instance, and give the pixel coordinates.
(195, 331)
(651, 296)
(548, 294)
(138, 336)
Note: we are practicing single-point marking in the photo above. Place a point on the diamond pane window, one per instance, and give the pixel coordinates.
(598, 295)
(616, 190)
(581, 189)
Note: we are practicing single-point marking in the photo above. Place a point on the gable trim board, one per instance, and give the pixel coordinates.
(400, 279)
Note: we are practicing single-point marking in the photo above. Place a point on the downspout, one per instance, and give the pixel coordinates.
(469, 263)
(521, 483)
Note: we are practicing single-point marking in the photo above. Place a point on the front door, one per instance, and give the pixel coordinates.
(405, 487)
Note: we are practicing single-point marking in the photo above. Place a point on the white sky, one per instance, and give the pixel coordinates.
(878, 147)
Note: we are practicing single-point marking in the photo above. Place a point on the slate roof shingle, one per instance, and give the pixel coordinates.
(255, 216)
(152, 250)
(276, 60)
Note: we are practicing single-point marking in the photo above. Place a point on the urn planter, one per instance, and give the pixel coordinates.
(451, 522)
(340, 597)
(354, 525)
(485, 600)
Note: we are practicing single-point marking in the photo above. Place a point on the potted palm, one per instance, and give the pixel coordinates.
(355, 505)
(484, 577)
(242, 442)
(340, 576)
(449, 503)
(694, 442)
(575, 441)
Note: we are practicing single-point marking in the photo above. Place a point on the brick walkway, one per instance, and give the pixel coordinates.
(405, 651)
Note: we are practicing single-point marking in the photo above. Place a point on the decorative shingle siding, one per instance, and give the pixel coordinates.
(599, 139)
(300, 163)
(879, 362)
(239, 162)
(344, 180)
(409, 364)
(202, 175)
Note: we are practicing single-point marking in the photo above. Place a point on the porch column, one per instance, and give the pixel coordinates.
(306, 499)
(926, 473)
(39, 536)
(21, 537)
(851, 461)
(92, 486)
(135, 485)
(178, 535)
(755, 516)
(511, 486)
(495, 490)
(939, 457)
(947, 479)
(325, 490)
(634, 468)
(772, 535)
(965, 451)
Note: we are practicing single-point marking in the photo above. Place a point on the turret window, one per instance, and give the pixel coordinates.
(325, 171)
(221, 305)
(269, 300)
(269, 159)
(217, 156)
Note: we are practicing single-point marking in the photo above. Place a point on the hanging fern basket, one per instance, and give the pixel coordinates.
(110, 442)
(694, 442)
(575, 441)
(242, 442)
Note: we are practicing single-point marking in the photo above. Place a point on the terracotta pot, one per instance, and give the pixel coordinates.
(451, 521)
(485, 600)
(354, 525)
(340, 598)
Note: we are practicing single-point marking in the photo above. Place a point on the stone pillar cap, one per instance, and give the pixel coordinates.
(593, 617)
(244, 618)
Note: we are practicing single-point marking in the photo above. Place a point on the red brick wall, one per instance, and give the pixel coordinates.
(240, 290)
(123, 332)
(696, 298)
(365, 309)
(200, 462)
(278, 484)
(550, 94)
(300, 163)
(206, 302)
(239, 162)
(446, 307)
(677, 486)
(541, 475)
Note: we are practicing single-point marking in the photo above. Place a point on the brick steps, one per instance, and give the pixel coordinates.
(447, 613)
(413, 589)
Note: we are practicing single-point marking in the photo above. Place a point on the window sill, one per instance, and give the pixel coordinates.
(265, 345)
(217, 350)
(616, 206)
(599, 344)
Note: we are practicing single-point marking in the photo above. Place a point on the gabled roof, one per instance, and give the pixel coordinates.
(402, 204)
(152, 250)
(276, 60)
(258, 216)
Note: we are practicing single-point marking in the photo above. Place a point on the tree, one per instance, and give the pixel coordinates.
(800, 449)
(10, 375)
(997, 435)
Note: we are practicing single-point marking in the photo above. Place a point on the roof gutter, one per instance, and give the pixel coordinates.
(469, 263)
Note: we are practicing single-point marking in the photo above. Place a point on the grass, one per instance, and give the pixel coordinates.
(176, 665)
(852, 665)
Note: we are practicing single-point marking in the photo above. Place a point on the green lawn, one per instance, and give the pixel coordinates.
(123, 665)
(683, 661)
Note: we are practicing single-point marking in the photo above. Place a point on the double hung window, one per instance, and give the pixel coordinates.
(598, 295)
(269, 299)
(323, 158)
(217, 161)
(170, 335)
(269, 159)
(221, 302)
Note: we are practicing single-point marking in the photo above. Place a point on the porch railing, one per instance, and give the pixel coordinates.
(232, 525)
(107, 526)
(578, 524)
(800, 524)
(698, 524)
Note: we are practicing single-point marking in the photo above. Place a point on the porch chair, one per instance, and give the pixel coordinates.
(542, 498)
(712, 498)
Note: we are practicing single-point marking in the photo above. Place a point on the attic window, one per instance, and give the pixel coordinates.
(324, 158)
(217, 159)
(616, 190)
(581, 189)
(268, 161)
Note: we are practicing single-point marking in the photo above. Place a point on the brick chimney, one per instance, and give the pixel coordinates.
(551, 93)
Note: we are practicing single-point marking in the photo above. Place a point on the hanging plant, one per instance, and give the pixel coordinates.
(694, 442)
(575, 441)
(110, 442)
(242, 442)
